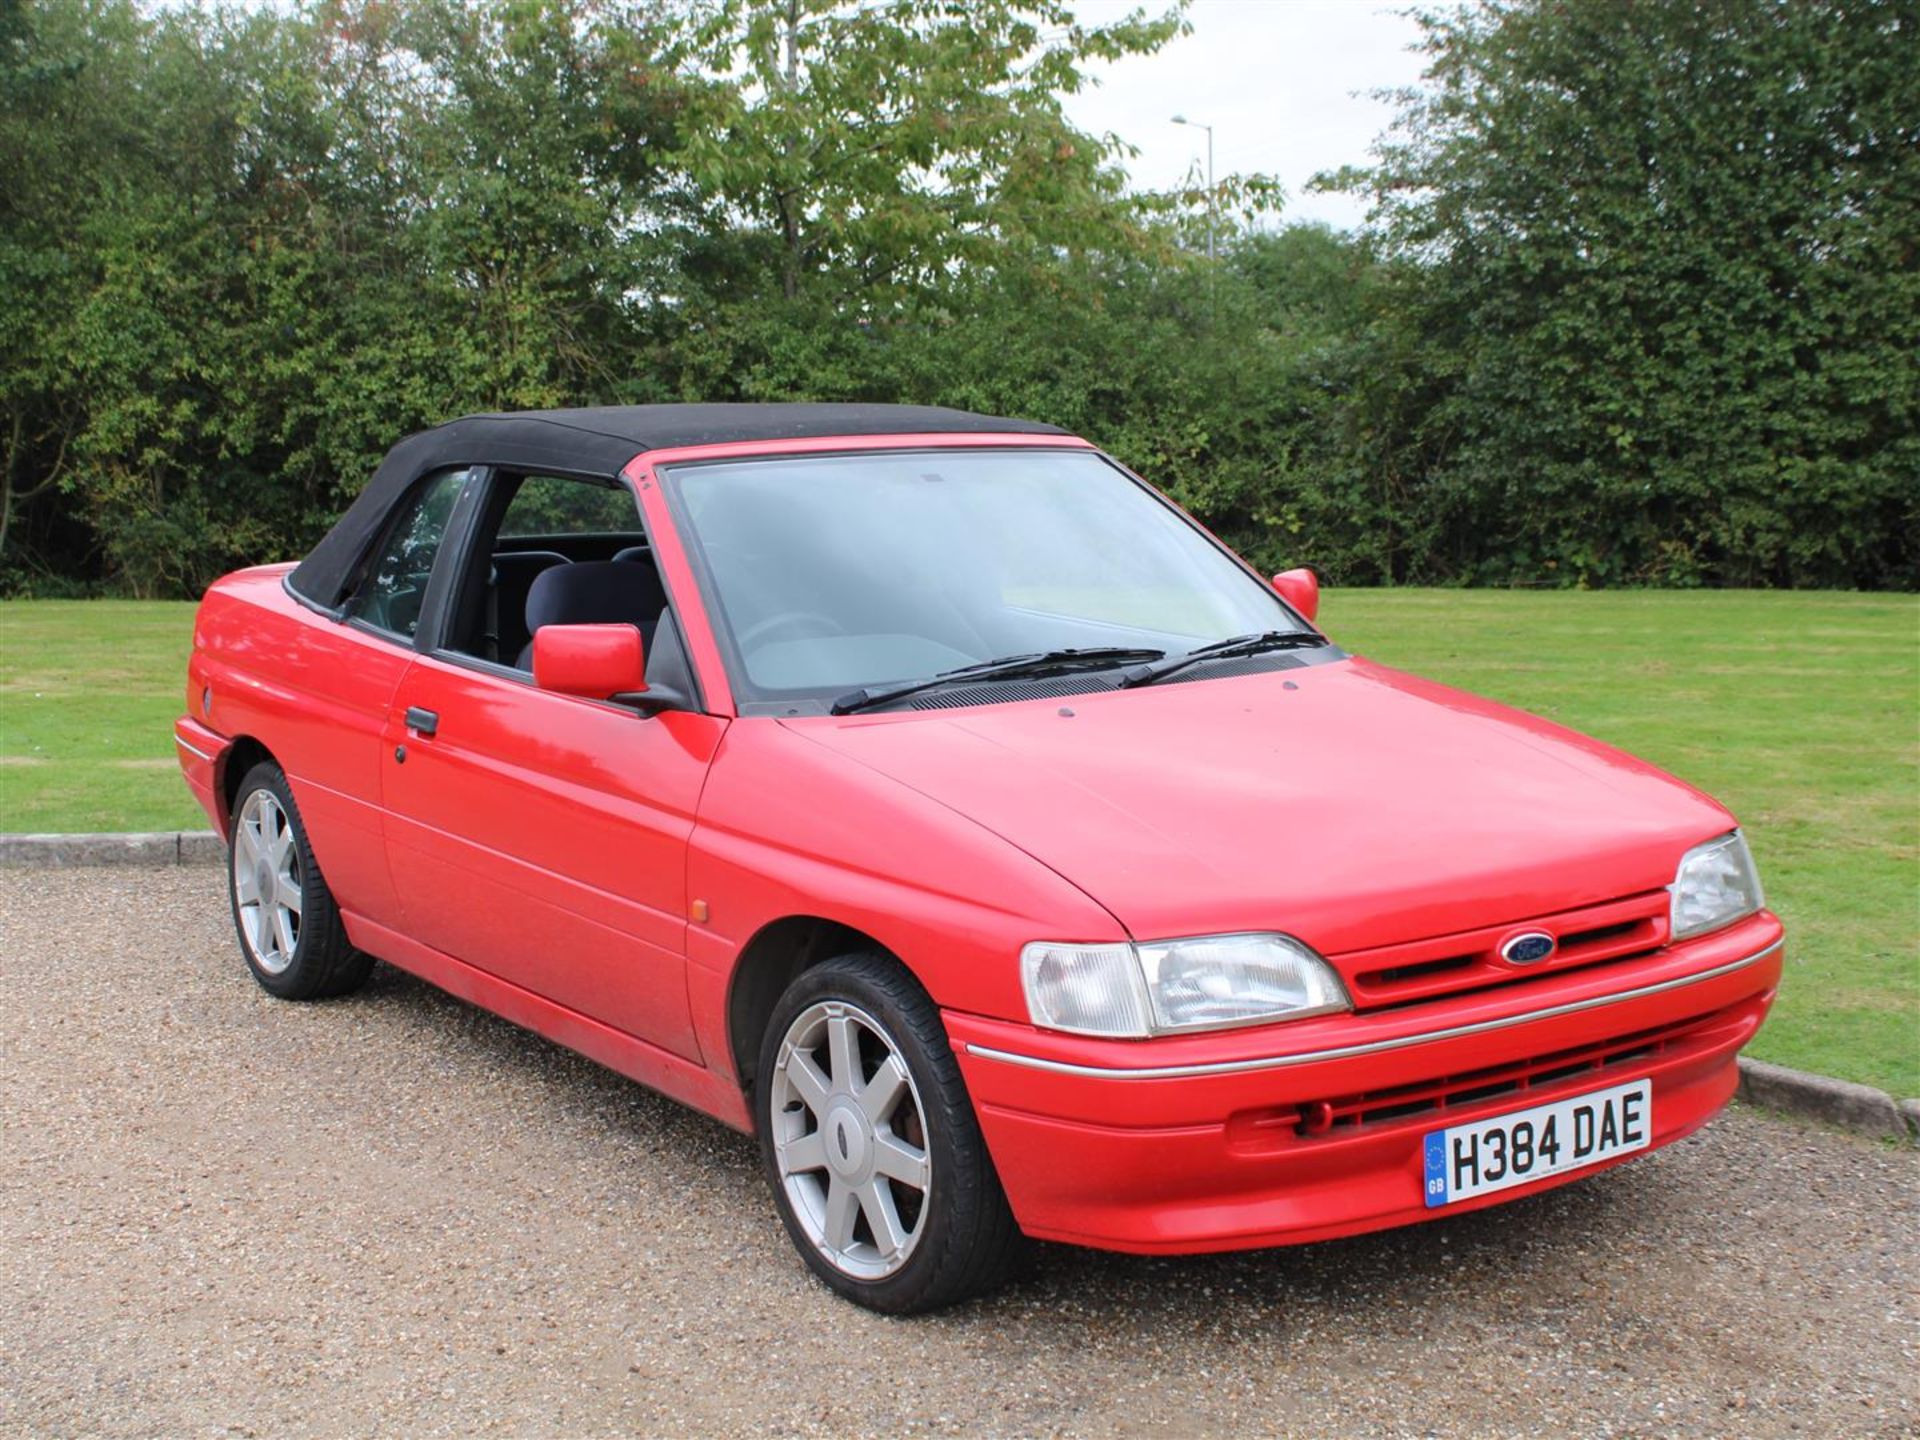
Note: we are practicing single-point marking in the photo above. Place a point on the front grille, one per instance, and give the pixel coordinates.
(1454, 964)
(1276, 1126)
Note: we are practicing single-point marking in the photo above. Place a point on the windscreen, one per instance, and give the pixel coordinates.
(855, 570)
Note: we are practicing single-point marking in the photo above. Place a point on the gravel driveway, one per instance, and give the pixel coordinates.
(227, 1215)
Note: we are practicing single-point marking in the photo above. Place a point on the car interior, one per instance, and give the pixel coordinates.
(561, 576)
(625, 590)
(528, 588)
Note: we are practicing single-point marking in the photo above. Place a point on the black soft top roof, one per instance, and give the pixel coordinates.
(600, 441)
(658, 427)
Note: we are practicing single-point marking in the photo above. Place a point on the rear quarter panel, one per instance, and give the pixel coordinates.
(314, 691)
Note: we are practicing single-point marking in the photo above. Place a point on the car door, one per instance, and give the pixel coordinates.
(333, 687)
(542, 837)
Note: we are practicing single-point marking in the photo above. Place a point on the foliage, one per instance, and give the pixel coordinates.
(320, 232)
(873, 151)
(1640, 301)
(1660, 281)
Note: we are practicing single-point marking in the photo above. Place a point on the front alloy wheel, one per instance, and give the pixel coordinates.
(850, 1139)
(870, 1142)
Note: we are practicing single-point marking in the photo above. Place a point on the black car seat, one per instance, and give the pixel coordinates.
(513, 574)
(595, 592)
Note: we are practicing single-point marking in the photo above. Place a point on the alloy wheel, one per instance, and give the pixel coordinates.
(266, 882)
(850, 1138)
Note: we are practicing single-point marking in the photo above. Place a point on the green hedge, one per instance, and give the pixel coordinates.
(1639, 302)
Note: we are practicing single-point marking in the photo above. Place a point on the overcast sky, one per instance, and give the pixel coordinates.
(1284, 83)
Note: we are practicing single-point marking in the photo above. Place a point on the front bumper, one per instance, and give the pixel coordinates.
(1312, 1130)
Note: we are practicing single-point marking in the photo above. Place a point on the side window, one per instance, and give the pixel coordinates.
(564, 551)
(395, 586)
(545, 506)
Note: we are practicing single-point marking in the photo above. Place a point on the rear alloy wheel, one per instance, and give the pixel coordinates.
(871, 1145)
(266, 882)
(289, 928)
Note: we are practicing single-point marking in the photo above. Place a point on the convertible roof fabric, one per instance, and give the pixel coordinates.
(599, 441)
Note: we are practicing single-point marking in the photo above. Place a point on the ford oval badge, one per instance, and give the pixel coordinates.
(1527, 949)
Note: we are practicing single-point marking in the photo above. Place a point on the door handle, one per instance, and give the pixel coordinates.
(422, 722)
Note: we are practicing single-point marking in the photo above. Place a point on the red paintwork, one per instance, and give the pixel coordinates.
(1185, 1165)
(1301, 590)
(541, 853)
(1347, 804)
(543, 838)
(591, 660)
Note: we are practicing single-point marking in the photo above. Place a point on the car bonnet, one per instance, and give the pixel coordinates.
(1347, 804)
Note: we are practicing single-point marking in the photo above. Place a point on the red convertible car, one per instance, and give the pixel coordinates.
(926, 795)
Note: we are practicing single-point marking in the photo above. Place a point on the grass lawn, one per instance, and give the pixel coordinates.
(89, 691)
(1800, 711)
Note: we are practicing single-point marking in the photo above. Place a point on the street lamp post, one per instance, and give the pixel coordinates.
(1183, 120)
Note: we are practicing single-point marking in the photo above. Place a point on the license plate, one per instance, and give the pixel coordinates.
(1509, 1150)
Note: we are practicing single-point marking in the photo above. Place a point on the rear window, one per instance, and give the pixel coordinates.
(391, 596)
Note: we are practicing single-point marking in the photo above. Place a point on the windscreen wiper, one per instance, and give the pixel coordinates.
(1007, 667)
(1228, 649)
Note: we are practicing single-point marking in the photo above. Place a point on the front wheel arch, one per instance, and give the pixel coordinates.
(840, 1131)
(779, 952)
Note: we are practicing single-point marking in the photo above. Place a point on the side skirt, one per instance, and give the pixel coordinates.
(653, 1067)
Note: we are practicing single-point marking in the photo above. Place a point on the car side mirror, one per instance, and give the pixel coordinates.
(597, 661)
(1300, 589)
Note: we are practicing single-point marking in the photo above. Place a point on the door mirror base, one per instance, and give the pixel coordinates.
(653, 700)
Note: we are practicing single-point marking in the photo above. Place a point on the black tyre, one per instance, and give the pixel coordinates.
(289, 928)
(870, 1142)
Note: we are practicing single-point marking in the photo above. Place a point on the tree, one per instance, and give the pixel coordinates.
(871, 150)
(1660, 263)
(56, 74)
(1638, 303)
(254, 248)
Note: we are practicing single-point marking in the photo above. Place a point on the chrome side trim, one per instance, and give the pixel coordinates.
(1373, 1047)
(191, 749)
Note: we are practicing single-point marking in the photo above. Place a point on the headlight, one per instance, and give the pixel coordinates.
(1166, 986)
(1715, 886)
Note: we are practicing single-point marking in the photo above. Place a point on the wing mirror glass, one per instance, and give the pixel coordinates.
(1300, 589)
(597, 661)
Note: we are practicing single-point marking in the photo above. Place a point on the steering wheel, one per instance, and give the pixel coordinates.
(816, 624)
